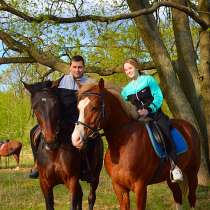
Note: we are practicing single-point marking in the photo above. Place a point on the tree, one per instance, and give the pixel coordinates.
(185, 79)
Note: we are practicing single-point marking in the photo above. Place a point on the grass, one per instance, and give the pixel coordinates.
(18, 192)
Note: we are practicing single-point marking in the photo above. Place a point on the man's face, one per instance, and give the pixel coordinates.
(77, 69)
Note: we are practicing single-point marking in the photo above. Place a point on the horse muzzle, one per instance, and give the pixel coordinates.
(77, 140)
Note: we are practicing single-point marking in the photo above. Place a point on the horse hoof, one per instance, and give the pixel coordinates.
(17, 168)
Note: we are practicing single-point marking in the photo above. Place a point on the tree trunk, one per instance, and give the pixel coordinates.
(189, 76)
(150, 34)
(204, 5)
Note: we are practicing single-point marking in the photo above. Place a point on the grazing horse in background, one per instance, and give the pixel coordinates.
(130, 159)
(58, 160)
(11, 147)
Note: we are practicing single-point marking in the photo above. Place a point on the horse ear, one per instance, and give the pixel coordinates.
(28, 87)
(101, 84)
(56, 83)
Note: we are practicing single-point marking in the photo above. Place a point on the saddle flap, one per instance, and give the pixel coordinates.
(181, 145)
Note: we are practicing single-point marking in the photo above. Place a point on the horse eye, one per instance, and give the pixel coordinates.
(94, 109)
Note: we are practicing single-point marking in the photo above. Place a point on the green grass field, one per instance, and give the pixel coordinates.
(18, 192)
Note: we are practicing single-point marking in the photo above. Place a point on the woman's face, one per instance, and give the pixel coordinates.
(130, 70)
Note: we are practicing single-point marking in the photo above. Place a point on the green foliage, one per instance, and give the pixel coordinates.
(15, 119)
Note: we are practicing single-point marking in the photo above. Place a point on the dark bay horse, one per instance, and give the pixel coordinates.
(11, 147)
(130, 159)
(58, 161)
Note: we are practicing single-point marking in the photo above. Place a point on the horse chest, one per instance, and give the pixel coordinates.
(117, 170)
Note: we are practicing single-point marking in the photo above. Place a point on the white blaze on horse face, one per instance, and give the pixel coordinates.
(78, 133)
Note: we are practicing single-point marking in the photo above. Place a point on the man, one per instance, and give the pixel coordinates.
(67, 88)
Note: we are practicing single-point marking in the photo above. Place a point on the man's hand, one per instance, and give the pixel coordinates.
(143, 112)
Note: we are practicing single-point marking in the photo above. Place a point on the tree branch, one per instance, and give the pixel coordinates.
(135, 48)
(10, 42)
(88, 69)
(107, 19)
(9, 60)
(43, 58)
(114, 70)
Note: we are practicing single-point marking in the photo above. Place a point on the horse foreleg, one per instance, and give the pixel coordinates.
(122, 196)
(16, 157)
(141, 195)
(6, 161)
(79, 197)
(48, 195)
(76, 194)
(92, 193)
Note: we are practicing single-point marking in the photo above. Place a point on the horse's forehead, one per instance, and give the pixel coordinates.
(83, 103)
(44, 95)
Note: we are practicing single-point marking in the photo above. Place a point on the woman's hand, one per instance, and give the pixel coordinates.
(143, 112)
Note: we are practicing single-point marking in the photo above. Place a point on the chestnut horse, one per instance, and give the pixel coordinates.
(130, 159)
(11, 147)
(57, 160)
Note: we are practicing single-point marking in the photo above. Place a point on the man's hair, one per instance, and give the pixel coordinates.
(77, 58)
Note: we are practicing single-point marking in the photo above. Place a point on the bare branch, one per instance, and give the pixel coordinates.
(105, 19)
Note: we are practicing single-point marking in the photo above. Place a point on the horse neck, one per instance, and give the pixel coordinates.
(115, 117)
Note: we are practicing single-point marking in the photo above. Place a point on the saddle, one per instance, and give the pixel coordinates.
(158, 142)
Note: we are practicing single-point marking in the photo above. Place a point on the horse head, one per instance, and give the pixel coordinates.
(46, 107)
(91, 113)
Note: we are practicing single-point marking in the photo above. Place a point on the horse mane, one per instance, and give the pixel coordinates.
(129, 108)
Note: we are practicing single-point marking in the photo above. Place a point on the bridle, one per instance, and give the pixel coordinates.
(94, 131)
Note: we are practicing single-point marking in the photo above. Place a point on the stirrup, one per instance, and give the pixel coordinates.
(176, 174)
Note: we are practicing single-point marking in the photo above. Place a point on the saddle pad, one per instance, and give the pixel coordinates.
(181, 145)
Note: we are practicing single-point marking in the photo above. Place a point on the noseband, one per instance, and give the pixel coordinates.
(95, 131)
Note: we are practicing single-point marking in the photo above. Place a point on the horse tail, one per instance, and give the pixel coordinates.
(184, 187)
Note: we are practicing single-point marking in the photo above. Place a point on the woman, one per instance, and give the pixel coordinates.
(144, 92)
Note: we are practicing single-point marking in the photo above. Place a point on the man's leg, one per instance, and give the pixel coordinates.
(34, 140)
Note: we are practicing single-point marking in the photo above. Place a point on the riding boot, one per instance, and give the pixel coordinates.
(35, 135)
(165, 125)
(175, 172)
(172, 152)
